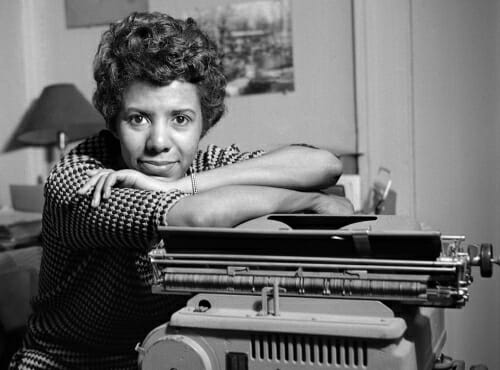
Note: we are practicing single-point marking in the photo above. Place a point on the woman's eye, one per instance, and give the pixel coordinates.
(181, 120)
(136, 119)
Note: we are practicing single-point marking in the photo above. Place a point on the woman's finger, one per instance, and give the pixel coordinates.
(96, 198)
(88, 185)
(94, 177)
(110, 181)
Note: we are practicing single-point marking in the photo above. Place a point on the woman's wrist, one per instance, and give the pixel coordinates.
(183, 185)
(297, 201)
(194, 183)
(313, 200)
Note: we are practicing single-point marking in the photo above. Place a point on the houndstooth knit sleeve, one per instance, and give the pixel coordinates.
(215, 156)
(128, 218)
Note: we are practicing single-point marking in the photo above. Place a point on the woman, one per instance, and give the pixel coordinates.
(160, 88)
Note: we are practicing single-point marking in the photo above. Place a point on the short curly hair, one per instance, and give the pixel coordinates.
(158, 49)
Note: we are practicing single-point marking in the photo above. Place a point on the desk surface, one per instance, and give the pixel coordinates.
(10, 216)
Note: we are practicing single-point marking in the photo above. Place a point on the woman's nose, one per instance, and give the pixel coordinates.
(159, 138)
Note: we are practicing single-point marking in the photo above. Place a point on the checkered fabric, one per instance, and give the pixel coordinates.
(95, 302)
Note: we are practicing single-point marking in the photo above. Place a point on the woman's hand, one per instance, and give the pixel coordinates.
(334, 205)
(103, 180)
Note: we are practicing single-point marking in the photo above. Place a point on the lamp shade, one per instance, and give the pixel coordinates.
(60, 108)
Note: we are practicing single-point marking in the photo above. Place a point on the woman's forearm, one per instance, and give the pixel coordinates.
(127, 218)
(291, 167)
(230, 205)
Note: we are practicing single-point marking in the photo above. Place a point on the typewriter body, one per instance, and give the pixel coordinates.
(310, 292)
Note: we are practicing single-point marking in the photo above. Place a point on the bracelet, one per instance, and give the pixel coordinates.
(194, 184)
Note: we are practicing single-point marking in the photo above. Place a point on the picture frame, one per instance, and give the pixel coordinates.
(256, 41)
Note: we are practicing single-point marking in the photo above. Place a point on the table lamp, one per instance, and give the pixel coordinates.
(60, 115)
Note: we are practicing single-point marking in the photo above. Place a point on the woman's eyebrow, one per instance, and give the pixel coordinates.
(173, 112)
(134, 109)
(184, 110)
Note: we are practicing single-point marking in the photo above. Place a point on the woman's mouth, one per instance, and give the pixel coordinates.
(156, 166)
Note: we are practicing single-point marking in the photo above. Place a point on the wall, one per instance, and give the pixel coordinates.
(18, 166)
(384, 96)
(12, 92)
(456, 149)
(427, 81)
(496, 169)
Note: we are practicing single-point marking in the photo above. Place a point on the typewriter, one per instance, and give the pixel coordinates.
(309, 291)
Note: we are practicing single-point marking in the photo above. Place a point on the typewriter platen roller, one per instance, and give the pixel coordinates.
(310, 291)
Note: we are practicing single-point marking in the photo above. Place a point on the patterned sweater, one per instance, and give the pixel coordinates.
(95, 302)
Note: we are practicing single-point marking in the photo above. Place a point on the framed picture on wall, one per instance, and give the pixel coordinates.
(89, 13)
(256, 40)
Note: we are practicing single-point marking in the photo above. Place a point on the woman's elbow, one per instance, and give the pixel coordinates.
(331, 167)
(200, 216)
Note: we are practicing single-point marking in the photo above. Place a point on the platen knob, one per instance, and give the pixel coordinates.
(486, 260)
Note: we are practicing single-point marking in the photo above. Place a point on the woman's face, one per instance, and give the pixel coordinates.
(159, 128)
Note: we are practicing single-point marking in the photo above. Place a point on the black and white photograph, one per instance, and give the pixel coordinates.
(256, 41)
(250, 185)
